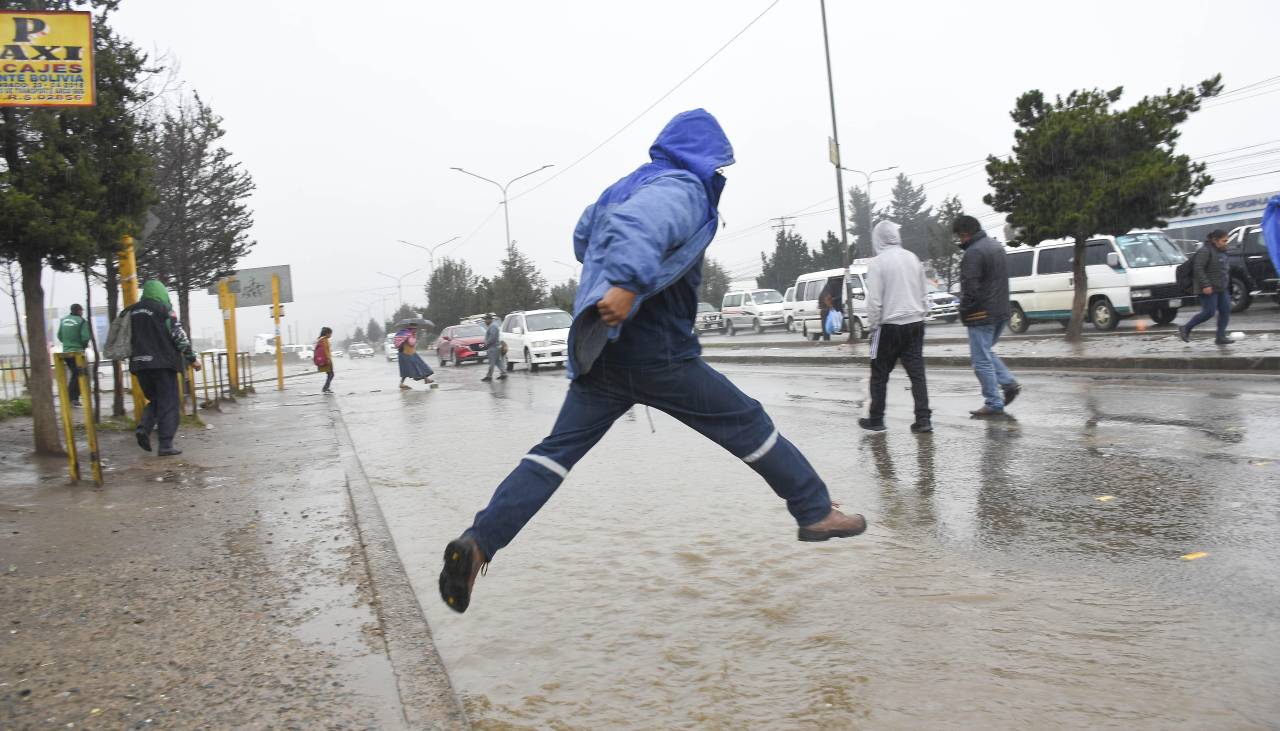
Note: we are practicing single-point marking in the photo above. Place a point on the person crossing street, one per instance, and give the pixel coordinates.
(493, 348)
(73, 333)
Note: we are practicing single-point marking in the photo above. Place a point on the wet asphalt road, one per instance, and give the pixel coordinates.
(663, 587)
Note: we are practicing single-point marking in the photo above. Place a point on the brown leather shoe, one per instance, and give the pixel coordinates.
(986, 411)
(463, 562)
(835, 525)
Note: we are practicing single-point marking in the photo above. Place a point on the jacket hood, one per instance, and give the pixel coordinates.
(694, 141)
(886, 233)
(154, 289)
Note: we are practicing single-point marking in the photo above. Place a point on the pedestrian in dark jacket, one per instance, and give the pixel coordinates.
(1211, 273)
(493, 348)
(984, 310)
(73, 333)
(160, 352)
(632, 342)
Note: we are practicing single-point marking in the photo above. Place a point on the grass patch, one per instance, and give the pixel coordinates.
(15, 407)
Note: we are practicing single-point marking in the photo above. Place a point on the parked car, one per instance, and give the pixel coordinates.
(758, 309)
(305, 353)
(337, 352)
(808, 304)
(789, 308)
(708, 319)
(1246, 249)
(460, 344)
(943, 305)
(536, 338)
(389, 347)
(360, 350)
(1131, 274)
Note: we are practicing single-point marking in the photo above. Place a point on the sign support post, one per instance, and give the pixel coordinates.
(275, 316)
(228, 304)
(128, 267)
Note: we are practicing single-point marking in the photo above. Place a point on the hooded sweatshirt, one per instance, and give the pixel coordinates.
(647, 233)
(156, 338)
(896, 286)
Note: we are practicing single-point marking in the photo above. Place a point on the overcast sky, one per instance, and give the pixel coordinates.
(349, 119)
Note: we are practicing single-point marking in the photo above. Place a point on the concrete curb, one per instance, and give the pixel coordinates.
(798, 342)
(1258, 364)
(426, 693)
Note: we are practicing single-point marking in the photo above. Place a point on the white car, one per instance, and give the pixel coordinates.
(360, 350)
(537, 338)
(389, 347)
(305, 353)
(943, 305)
(756, 308)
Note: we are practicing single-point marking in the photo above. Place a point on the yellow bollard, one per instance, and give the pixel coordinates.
(128, 267)
(90, 423)
(68, 429)
(275, 315)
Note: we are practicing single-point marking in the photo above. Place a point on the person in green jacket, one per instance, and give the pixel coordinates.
(73, 333)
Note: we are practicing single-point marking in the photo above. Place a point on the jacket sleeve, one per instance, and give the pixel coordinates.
(640, 231)
(875, 295)
(180, 341)
(582, 233)
(970, 283)
(1201, 269)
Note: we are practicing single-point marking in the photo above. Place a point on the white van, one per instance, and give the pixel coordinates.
(755, 308)
(809, 288)
(1132, 274)
(789, 308)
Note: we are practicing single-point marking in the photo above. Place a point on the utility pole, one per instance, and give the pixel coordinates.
(834, 151)
(782, 224)
(867, 177)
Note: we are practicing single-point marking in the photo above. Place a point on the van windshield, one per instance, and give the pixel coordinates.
(766, 297)
(1149, 250)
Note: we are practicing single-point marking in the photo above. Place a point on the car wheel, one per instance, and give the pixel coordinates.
(791, 325)
(950, 319)
(1103, 314)
(729, 330)
(755, 325)
(528, 358)
(1240, 297)
(1018, 322)
(1164, 315)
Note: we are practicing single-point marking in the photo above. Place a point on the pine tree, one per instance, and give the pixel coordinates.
(715, 282)
(862, 217)
(909, 208)
(451, 293)
(204, 219)
(374, 331)
(944, 255)
(790, 259)
(831, 255)
(563, 295)
(519, 285)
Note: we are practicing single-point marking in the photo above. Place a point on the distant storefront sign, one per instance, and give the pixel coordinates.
(1242, 206)
(46, 59)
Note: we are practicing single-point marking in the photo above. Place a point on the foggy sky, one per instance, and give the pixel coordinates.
(349, 117)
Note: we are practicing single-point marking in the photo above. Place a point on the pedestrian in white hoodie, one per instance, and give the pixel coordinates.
(897, 304)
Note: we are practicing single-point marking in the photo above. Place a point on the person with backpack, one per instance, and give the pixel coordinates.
(1210, 271)
(73, 333)
(322, 356)
(159, 351)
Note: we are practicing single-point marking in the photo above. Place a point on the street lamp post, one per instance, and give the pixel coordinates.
(506, 214)
(867, 177)
(431, 254)
(399, 280)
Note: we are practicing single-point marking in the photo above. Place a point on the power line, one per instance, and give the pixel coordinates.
(649, 108)
(1242, 177)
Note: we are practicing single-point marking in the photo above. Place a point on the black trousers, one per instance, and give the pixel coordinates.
(890, 344)
(73, 377)
(160, 386)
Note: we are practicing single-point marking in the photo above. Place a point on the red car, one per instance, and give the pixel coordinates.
(459, 344)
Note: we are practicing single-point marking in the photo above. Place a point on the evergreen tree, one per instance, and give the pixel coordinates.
(1081, 168)
(790, 259)
(715, 282)
(204, 219)
(944, 254)
(831, 255)
(451, 293)
(862, 217)
(357, 336)
(909, 208)
(563, 295)
(519, 285)
(374, 332)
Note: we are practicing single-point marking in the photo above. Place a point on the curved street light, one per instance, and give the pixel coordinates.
(506, 214)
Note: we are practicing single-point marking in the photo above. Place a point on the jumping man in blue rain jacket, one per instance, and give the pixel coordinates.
(641, 246)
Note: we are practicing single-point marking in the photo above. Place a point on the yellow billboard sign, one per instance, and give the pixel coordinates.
(46, 59)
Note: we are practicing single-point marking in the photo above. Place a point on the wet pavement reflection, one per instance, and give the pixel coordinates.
(1023, 572)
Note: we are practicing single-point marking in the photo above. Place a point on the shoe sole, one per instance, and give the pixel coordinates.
(454, 589)
(926, 430)
(817, 536)
(144, 441)
(882, 427)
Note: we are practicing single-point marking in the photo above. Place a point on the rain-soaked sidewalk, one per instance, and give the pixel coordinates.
(1157, 351)
(225, 588)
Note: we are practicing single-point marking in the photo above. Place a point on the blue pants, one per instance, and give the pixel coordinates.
(991, 371)
(689, 390)
(1217, 303)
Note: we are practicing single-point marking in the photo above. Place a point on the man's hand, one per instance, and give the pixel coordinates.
(195, 364)
(615, 305)
(1207, 290)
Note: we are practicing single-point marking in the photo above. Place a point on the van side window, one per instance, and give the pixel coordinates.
(1095, 252)
(812, 290)
(732, 300)
(511, 323)
(1054, 261)
(1019, 264)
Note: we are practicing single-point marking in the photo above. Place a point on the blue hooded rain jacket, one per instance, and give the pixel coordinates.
(647, 233)
(1271, 230)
